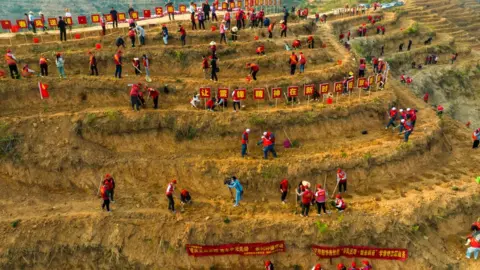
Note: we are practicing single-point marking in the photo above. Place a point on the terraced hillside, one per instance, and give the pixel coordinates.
(418, 195)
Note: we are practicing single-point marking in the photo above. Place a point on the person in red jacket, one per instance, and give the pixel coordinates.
(317, 267)
(425, 97)
(118, 64)
(254, 68)
(245, 141)
(302, 60)
(185, 197)
(12, 64)
(105, 197)
(211, 104)
(169, 194)
(153, 93)
(392, 118)
(341, 180)
(261, 50)
(320, 199)
(296, 44)
(270, 29)
(93, 64)
(307, 197)
(408, 129)
(183, 34)
(366, 265)
(283, 25)
(110, 182)
(205, 67)
(132, 35)
(311, 42)
(267, 147)
(134, 93)
(341, 266)
(269, 265)
(354, 266)
(440, 110)
(284, 190)
(293, 63)
(340, 203)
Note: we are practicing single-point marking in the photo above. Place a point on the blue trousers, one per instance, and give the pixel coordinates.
(142, 40)
(244, 149)
(118, 71)
(238, 196)
(407, 134)
(135, 102)
(270, 148)
(401, 128)
(391, 122)
(165, 40)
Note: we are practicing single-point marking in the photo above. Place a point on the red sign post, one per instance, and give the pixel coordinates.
(205, 92)
(258, 94)
(147, 13)
(95, 18)
(159, 11)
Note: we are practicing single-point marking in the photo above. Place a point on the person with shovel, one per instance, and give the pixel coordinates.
(235, 183)
(153, 93)
(132, 35)
(136, 65)
(267, 147)
(146, 65)
(134, 93)
(110, 182)
(105, 197)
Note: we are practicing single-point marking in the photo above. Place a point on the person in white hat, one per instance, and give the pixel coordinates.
(393, 117)
(234, 31)
(245, 141)
(31, 21)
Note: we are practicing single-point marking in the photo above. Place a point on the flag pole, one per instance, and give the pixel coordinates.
(40, 90)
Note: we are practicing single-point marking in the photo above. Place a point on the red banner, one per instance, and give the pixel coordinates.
(95, 18)
(259, 93)
(292, 91)
(108, 17)
(52, 22)
(205, 92)
(147, 13)
(324, 88)
(159, 11)
(308, 89)
(22, 23)
(134, 15)
(223, 93)
(6, 25)
(277, 92)
(338, 87)
(326, 252)
(38, 23)
(240, 94)
(82, 19)
(121, 17)
(252, 249)
(361, 82)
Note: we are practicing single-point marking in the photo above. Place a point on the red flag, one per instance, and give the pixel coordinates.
(43, 88)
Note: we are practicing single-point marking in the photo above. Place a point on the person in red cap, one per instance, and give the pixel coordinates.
(317, 267)
(12, 64)
(341, 266)
(296, 44)
(261, 50)
(169, 194)
(268, 265)
(354, 266)
(118, 64)
(110, 182)
(476, 138)
(341, 180)
(283, 25)
(284, 190)
(339, 203)
(440, 110)
(366, 265)
(425, 97)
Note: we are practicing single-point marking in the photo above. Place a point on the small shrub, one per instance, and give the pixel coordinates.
(455, 188)
(15, 223)
(343, 154)
(322, 227)
(186, 132)
(295, 144)
(367, 156)
(112, 115)
(415, 228)
(226, 220)
(90, 118)
(412, 29)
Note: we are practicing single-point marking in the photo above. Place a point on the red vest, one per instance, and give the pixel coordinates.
(307, 197)
(244, 137)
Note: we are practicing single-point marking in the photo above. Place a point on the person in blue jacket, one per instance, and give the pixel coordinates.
(238, 190)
